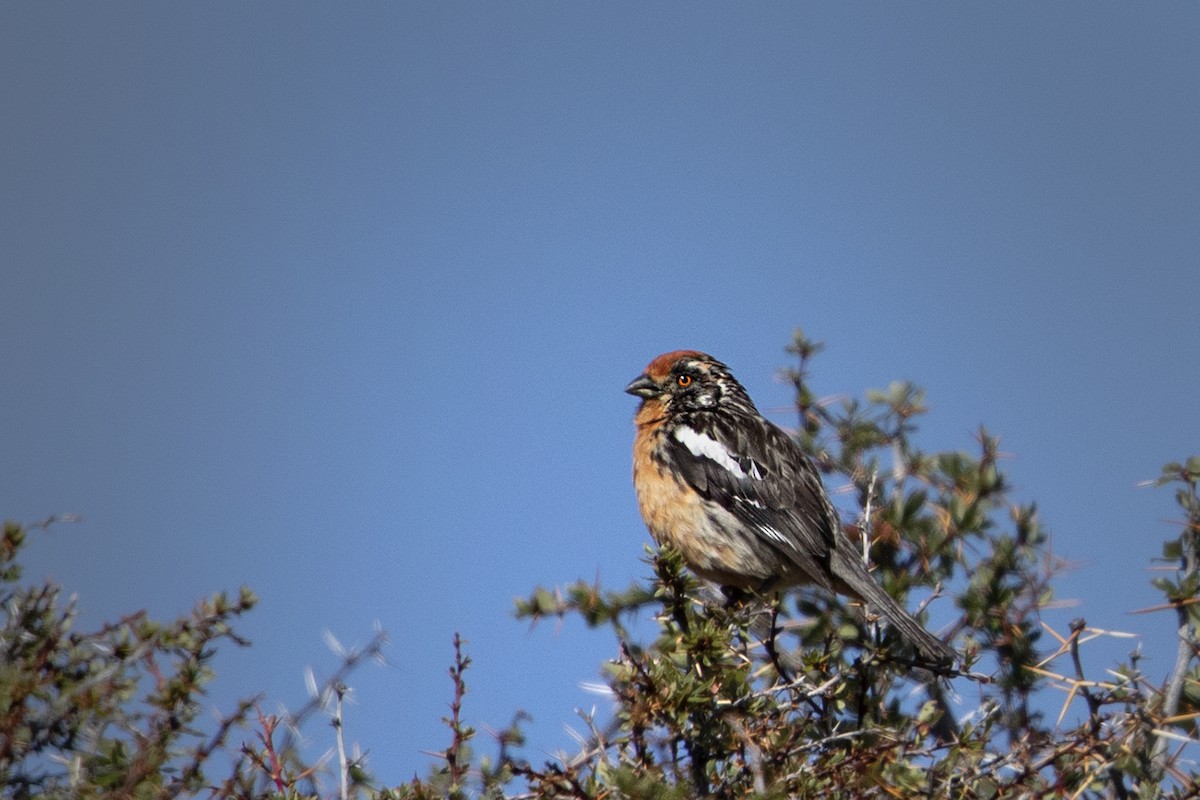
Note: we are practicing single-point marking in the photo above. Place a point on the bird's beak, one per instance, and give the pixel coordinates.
(642, 386)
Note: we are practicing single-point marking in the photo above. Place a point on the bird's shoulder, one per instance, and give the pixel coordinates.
(739, 454)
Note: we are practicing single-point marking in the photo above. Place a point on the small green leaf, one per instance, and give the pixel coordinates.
(1172, 550)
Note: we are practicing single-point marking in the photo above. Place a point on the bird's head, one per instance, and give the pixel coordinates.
(684, 381)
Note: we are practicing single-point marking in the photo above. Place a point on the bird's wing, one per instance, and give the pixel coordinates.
(756, 471)
(761, 476)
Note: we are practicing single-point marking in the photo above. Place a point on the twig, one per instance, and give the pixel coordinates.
(1184, 653)
(866, 523)
(343, 769)
(459, 734)
(350, 661)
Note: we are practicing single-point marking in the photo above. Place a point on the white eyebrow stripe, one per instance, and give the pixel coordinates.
(706, 447)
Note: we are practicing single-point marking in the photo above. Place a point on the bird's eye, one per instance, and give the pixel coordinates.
(684, 381)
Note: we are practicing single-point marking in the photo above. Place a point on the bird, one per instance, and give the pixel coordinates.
(739, 499)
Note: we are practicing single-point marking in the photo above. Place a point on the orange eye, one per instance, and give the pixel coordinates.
(684, 381)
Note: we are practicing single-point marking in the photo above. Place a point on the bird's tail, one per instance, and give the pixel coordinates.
(932, 651)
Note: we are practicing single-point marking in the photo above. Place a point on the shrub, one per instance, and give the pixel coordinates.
(804, 697)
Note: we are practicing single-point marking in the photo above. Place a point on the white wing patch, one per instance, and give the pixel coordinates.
(776, 535)
(705, 446)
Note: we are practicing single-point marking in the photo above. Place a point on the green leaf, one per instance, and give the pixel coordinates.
(1172, 550)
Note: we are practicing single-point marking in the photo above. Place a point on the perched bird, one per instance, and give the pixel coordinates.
(738, 498)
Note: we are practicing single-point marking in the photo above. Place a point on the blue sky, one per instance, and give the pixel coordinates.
(338, 301)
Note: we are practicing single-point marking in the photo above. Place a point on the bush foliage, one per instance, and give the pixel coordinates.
(800, 697)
